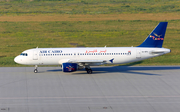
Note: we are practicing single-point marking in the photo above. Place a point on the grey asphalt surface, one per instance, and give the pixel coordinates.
(108, 89)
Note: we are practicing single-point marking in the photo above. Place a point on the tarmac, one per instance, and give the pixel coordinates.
(108, 89)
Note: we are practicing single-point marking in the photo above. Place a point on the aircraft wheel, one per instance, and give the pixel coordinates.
(35, 71)
(89, 71)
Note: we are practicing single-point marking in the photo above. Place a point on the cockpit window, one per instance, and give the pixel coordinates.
(24, 54)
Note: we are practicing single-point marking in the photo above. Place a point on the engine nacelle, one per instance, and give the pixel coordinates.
(69, 67)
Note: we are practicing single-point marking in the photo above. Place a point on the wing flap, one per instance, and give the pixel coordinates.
(90, 61)
(81, 61)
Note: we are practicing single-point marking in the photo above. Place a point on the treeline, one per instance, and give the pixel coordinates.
(28, 0)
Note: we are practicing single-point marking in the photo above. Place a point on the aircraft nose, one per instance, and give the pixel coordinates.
(17, 59)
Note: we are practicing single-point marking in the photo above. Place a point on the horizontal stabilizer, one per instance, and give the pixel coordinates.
(160, 51)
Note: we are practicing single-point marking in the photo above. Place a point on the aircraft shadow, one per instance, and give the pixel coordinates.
(141, 70)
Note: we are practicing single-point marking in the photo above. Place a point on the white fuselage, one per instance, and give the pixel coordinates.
(109, 55)
(72, 59)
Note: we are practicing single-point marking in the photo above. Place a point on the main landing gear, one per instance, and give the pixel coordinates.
(35, 70)
(88, 69)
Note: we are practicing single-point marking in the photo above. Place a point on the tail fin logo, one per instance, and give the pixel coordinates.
(156, 37)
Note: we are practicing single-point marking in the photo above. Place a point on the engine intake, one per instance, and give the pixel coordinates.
(69, 67)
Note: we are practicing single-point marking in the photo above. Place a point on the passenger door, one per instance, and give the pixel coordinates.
(35, 55)
(138, 54)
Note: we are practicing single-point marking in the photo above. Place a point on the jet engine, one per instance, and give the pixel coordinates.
(69, 67)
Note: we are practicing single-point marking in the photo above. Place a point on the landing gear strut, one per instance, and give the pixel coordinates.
(88, 69)
(35, 70)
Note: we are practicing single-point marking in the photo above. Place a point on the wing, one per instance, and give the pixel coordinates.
(89, 62)
(86, 62)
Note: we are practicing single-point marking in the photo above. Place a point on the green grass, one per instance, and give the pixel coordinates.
(20, 7)
(18, 36)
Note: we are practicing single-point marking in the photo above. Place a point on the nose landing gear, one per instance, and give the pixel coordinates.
(35, 70)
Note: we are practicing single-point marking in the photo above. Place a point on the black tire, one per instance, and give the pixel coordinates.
(89, 71)
(35, 71)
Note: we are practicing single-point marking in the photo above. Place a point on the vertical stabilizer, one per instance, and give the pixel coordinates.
(156, 37)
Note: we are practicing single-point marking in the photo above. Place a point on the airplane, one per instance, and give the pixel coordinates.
(73, 59)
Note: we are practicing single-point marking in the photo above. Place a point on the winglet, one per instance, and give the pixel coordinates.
(156, 37)
(111, 60)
